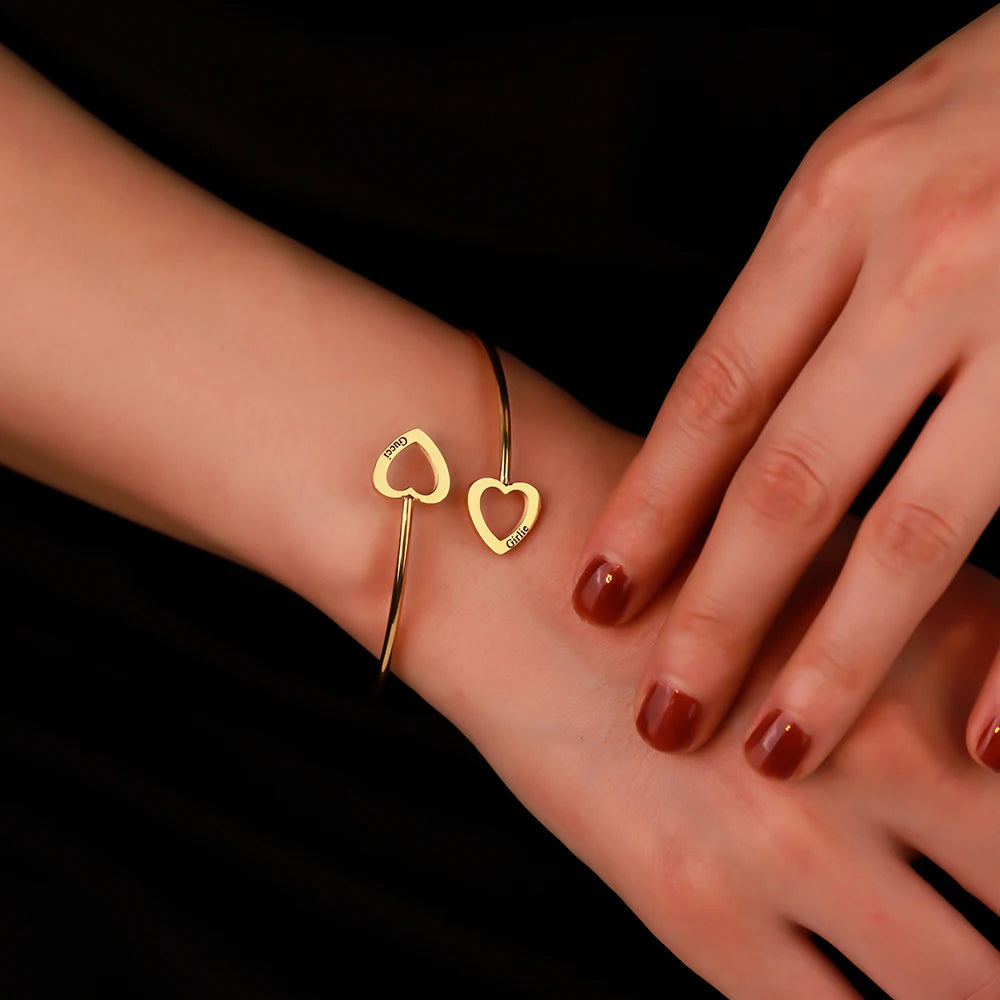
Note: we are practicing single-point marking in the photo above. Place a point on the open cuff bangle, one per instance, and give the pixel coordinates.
(442, 484)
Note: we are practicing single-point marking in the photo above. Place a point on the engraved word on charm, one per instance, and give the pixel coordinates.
(532, 505)
(442, 478)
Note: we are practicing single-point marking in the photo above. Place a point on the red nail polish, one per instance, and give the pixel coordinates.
(777, 745)
(601, 592)
(668, 718)
(988, 747)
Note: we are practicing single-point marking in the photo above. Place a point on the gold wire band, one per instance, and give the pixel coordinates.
(380, 480)
(532, 500)
(385, 659)
(504, 400)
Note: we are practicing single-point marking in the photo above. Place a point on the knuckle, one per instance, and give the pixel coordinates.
(783, 484)
(700, 634)
(835, 663)
(796, 838)
(905, 536)
(840, 165)
(887, 747)
(688, 877)
(948, 240)
(692, 878)
(649, 513)
(715, 389)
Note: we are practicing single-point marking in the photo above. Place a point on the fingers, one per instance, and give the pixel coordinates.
(767, 958)
(906, 937)
(780, 964)
(966, 849)
(870, 905)
(906, 552)
(779, 308)
(823, 442)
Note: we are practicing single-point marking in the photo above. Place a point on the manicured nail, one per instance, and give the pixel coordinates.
(988, 747)
(601, 591)
(777, 745)
(668, 718)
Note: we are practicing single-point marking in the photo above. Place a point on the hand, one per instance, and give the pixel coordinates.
(875, 286)
(731, 871)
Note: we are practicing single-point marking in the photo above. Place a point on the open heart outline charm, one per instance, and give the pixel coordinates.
(532, 506)
(442, 477)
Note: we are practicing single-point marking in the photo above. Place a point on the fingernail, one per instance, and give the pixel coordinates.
(777, 745)
(668, 718)
(601, 591)
(988, 747)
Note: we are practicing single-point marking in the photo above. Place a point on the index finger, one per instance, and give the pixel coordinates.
(780, 307)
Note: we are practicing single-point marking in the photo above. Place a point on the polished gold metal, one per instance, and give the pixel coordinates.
(532, 500)
(380, 480)
(442, 478)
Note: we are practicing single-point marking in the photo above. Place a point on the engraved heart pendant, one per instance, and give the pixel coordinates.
(442, 478)
(532, 505)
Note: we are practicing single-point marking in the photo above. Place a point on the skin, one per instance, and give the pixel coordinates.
(178, 363)
(873, 287)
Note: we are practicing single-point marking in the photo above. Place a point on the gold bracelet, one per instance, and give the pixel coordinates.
(442, 485)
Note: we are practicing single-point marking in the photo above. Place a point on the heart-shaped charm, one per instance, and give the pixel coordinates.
(532, 505)
(442, 478)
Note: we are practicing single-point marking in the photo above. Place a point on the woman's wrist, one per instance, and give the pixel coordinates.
(456, 586)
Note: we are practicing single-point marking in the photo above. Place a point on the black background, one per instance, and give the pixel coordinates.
(200, 798)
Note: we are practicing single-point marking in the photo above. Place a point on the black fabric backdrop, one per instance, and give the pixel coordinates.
(200, 800)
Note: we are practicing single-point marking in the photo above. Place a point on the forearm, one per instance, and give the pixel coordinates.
(166, 357)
